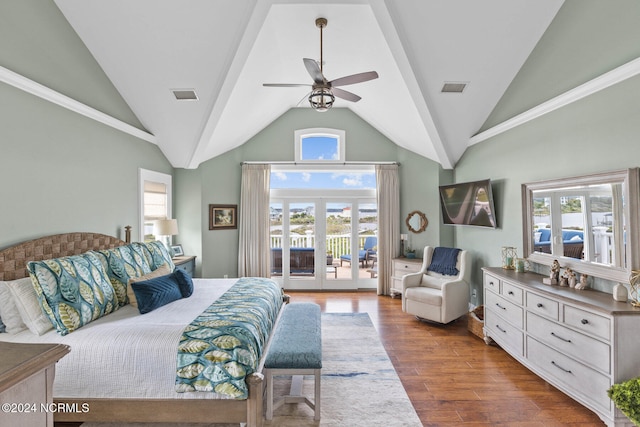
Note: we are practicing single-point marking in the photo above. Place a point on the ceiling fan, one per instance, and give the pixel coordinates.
(323, 92)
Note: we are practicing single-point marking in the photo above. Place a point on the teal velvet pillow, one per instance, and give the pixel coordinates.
(72, 291)
(159, 291)
(185, 283)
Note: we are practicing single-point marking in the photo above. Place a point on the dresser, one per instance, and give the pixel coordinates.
(26, 383)
(400, 267)
(580, 341)
(186, 263)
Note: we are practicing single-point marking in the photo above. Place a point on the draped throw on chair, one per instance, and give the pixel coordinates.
(388, 195)
(253, 222)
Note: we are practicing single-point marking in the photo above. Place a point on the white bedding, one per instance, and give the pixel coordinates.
(126, 354)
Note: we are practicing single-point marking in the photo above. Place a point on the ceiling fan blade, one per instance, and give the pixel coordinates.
(314, 70)
(284, 84)
(341, 93)
(354, 78)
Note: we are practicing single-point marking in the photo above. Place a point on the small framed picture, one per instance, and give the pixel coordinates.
(176, 250)
(223, 217)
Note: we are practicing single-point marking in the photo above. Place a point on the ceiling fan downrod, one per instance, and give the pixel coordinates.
(321, 23)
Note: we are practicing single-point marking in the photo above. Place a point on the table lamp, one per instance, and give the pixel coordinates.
(165, 228)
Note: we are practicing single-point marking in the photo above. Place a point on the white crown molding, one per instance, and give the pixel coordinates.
(610, 78)
(27, 85)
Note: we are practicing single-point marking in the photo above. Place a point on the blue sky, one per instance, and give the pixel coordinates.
(320, 148)
(331, 180)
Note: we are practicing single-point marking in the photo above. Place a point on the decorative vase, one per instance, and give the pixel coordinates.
(509, 255)
(411, 255)
(620, 292)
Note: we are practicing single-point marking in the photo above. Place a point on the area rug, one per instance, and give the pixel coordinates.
(360, 387)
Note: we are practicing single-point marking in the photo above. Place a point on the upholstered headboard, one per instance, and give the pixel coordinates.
(13, 260)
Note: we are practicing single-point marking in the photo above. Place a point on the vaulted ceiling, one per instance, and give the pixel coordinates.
(225, 50)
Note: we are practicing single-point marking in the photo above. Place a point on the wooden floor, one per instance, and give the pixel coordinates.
(451, 376)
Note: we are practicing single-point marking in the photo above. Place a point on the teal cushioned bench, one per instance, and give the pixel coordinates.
(295, 349)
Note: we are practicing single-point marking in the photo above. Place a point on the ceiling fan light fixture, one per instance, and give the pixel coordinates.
(321, 99)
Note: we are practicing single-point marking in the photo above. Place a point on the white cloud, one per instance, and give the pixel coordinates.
(306, 176)
(280, 175)
(354, 180)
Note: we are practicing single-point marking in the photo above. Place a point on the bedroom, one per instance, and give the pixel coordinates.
(69, 173)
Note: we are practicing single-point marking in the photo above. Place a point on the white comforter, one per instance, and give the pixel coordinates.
(126, 354)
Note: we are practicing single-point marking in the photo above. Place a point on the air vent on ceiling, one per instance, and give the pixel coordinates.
(185, 94)
(453, 87)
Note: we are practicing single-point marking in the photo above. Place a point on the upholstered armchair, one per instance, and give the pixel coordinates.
(432, 295)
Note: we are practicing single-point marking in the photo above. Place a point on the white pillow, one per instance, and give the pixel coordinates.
(9, 312)
(26, 300)
(575, 238)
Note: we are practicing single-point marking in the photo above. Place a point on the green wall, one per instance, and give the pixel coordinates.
(596, 134)
(61, 171)
(219, 179)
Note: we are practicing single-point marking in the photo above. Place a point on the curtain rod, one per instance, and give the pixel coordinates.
(285, 162)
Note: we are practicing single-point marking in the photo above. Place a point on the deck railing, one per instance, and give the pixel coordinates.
(337, 244)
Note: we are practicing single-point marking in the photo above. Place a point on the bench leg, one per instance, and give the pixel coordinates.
(316, 399)
(269, 374)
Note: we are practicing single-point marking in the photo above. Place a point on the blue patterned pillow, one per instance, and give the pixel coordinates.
(72, 291)
(156, 292)
(123, 263)
(159, 255)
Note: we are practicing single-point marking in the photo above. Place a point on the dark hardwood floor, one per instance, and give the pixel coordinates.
(451, 376)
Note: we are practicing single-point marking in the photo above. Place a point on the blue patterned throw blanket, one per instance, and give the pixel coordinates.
(444, 261)
(224, 344)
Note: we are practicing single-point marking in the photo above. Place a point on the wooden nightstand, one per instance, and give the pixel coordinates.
(186, 263)
(26, 378)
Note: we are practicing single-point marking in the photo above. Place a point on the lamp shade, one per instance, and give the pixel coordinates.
(166, 227)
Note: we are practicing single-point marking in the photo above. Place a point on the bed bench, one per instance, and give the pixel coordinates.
(295, 349)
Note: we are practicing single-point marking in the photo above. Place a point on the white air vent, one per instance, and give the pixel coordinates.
(453, 87)
(185, 94)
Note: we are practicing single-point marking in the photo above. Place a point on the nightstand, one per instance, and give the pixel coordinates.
(186, 263)
(26, 377)
(402, 266)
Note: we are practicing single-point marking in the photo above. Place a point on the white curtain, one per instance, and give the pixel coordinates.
(254, 253)
(388, 194)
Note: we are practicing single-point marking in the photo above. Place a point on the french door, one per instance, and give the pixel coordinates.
(317, 241)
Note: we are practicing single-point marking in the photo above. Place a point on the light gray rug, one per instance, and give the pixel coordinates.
(360, 387)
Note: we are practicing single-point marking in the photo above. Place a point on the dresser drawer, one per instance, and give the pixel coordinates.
(569, 373)
(505, 309)
(502, 332)
(542, 306)
(589, 351)
(400, 268)
(588, 322)
(512, 293)
(492, 283)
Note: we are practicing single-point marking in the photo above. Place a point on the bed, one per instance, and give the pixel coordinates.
(126, 374)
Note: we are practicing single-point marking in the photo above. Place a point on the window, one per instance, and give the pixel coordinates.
(155, 201)
(320, 145)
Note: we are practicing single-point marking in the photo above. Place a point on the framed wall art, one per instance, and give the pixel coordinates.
(223, 217)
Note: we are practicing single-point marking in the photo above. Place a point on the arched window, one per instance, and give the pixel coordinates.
(320, 145)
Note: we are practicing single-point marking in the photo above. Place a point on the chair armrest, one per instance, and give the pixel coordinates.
(411, 280)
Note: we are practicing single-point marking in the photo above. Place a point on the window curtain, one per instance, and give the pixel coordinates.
(254, 254)
(388, 196)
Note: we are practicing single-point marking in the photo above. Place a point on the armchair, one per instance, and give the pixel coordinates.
(365, 253)
(434, 296)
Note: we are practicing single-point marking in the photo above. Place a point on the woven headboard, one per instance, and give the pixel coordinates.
(13, 260)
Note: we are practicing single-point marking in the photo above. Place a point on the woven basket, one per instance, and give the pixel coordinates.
(476, 321)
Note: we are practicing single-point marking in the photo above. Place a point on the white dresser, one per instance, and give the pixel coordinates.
(402, 266)
(582, 342)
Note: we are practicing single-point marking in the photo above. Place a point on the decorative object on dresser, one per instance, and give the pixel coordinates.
(439, 292)
(634, 284)
(509, 255)
(186, 263)
(400, 267)
(620, 293)
(578, 341)
(176, 250)
(26, 383)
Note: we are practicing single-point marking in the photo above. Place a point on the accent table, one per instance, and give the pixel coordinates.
(26, 383)
(186, 263)
(400, 267)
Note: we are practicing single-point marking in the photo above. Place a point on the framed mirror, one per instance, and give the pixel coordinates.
(416, 222)
(588, 223)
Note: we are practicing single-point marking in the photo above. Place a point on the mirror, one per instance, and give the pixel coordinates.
(417, 222)
(587, 223)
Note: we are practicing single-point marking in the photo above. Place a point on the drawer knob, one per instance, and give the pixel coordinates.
(560, 338)
(499, 306)
(539, 305)
(560, 367)
(491, 283)
(510, 292)
(584, 321)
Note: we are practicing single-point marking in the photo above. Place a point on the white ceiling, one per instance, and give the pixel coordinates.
(226, 49)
